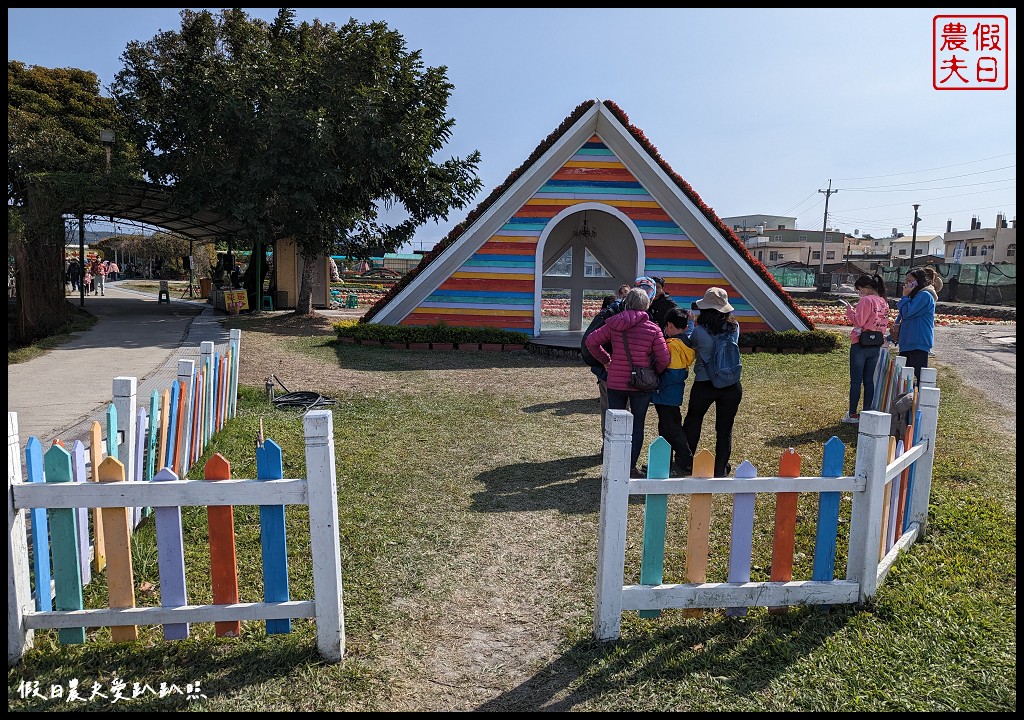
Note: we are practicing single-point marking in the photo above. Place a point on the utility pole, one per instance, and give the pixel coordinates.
(81, 259)
(824, 232)
(913, 237)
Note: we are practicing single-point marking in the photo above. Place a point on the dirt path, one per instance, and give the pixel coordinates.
(485, 644)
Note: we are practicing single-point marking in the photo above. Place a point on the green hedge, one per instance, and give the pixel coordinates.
(438, 333)
(806, 340)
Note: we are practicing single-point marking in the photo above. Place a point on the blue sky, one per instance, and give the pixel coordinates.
(756, 109)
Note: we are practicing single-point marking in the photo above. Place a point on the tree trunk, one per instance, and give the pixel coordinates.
(304, 304)
(250, 282)
(39, 266)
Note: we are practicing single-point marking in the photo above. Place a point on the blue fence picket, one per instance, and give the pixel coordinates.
(172, 423)
(269, 466)
(910, 475)
(151, 446)
(112, 448)
(40, 528)
(828, 513)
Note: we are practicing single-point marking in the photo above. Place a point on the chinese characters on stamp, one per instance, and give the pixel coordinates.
(970, 52)
(117, 691)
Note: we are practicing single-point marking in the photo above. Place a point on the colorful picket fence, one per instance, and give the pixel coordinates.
(891, 380)
(889, 512)
(173, 432)
(61, 498)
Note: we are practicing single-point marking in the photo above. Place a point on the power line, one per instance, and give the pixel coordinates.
(912, 172)
(894, 188)
(953, 177)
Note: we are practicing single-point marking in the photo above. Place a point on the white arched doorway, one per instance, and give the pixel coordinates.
(585, 253)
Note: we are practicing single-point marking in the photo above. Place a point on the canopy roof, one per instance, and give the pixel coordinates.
(152, 204)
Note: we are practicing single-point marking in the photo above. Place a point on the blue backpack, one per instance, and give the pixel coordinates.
(724, 366)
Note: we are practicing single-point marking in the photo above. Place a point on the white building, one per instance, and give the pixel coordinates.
(982, 245)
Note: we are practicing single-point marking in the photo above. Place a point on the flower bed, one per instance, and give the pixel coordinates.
(821, 314)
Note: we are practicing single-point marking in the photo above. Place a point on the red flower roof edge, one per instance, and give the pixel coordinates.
(709, 213)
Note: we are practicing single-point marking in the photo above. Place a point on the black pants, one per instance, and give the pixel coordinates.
(670, 427)
(727, 403)
(916, 359)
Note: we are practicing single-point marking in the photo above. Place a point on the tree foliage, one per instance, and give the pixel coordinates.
(163, 249)
(54, 163)
(305, 130)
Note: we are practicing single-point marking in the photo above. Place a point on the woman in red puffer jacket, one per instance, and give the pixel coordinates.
(646, 347)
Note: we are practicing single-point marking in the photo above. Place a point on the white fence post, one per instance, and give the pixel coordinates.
(611, 537)
(866, 514)
(928, 404)
(324, 537)
(125, 389)
(19, 591)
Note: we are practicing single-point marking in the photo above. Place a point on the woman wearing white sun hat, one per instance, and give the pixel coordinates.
(715, 319)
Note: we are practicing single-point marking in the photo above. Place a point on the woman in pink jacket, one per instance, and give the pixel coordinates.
(646, 347)
(870, 313)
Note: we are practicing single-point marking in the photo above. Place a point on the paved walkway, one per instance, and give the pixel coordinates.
(60, 394)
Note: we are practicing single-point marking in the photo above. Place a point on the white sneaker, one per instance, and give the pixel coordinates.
(851, 419)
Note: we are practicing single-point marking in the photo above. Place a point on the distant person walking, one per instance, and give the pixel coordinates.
(715, 319)
(871, 313)
(99, 273)
(74, 274)
(646, 348)
(915, 312)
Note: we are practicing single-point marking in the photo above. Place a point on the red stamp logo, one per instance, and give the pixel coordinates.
(970, 52)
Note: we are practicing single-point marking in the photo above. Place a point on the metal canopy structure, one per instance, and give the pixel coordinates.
(152, 204)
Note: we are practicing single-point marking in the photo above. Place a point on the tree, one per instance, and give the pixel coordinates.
(304, 130)
(54, 163)
(163, 249)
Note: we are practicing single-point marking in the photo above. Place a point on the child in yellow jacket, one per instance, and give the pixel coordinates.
(668, 398)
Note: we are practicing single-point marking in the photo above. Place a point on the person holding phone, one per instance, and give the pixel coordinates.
(870, 313)
(916, 310)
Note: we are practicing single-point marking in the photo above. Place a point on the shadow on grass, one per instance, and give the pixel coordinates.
(740, 656)
(845, 432)
(565, 408)
(570, 485)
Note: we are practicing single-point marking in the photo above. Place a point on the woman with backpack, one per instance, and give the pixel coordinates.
(635, 340)
(716, 373)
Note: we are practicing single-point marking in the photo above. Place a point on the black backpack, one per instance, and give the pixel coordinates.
(597, 322)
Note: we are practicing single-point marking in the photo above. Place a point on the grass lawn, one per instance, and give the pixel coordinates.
(468, 501)
(78, 321)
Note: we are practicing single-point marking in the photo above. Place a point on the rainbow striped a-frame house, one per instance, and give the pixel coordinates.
(524, 241)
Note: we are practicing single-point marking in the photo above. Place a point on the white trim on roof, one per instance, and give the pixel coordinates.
(599, 120)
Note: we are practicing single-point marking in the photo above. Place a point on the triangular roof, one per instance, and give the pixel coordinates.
(713, 237)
